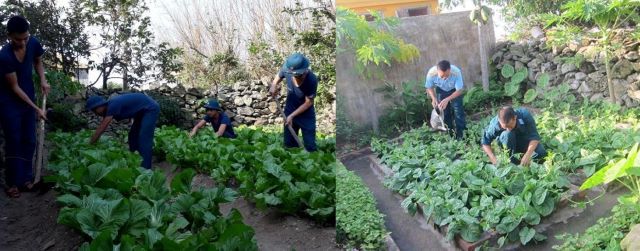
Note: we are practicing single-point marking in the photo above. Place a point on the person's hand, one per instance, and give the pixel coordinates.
(273, 91)
(191, 134)
(434, 103)
(443, 104)
(289, 120)
(526, 160)
(42, 114)
(46, 88)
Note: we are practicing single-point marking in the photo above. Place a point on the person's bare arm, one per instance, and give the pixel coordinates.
(44, 85)
(275, 85)
(197, 127)
(308, 102)
(526, 158)
(101, 128)
(432, 95)
(487, 149)
(12, 78)
(221, 130)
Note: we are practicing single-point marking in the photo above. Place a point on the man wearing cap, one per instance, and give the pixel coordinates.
(137, 106)
(18, 112)
(219, 121)
(516, 130)
(447, 80)
(302, 86)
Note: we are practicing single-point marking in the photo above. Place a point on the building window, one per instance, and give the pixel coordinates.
(412, 12)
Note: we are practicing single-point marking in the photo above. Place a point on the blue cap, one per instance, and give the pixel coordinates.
(95, 101)
(297, 64)
(213, 104)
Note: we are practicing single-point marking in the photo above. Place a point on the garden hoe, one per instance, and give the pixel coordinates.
(293, 132)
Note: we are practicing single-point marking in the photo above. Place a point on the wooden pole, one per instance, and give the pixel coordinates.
(39, 155)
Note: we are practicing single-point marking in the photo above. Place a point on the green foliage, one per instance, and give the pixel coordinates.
(124, 31)
(604, 235)
(62, 118)
(291, 180)
(358, 223)
(171, 113)
(60, 31)
(166, 63)
(507, 71)
(454, 186)
(477, 100)
(61, 115)
(625, 170)
(372, 43)
(110, 199)
(409, 108)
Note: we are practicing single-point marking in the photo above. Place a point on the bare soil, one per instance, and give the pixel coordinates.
(29, 223)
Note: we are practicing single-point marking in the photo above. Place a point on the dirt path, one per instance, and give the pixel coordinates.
(29, 223)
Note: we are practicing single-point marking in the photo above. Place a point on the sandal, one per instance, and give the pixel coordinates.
(13, 192)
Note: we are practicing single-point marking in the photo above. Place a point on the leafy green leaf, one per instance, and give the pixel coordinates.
(181, 182)
(507, 70)
(530, 95)
(526, 234)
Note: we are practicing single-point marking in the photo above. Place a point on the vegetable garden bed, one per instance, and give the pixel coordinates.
(450, 183)
(113, 202)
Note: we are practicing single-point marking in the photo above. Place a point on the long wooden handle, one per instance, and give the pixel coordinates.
(39, 155)
(284, 116)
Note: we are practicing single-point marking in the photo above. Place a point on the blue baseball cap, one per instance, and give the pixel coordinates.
(213, 104)
(95, 101)
(296, 64)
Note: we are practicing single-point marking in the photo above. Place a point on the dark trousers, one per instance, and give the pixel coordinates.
(519, 145)
(308, 128)
(19, 127)
(141, 135)
(455, 110)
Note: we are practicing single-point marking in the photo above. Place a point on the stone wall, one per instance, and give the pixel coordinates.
(589, 80)
(246, 102)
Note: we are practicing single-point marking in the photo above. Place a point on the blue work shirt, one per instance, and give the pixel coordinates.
(525, 128)
(296, 95)
(222, 119)
(24, 71)
(453, 81)
(130, 105)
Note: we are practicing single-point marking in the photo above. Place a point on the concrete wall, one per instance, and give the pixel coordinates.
(448, 36)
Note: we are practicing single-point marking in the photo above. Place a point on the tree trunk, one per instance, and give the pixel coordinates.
(125, 79)
(483, 60)
(104, 79)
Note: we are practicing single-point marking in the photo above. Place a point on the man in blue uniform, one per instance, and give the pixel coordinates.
(516, 130)
(219, 121)
(302, 86)
(18, 111)
(449, 86)
(137, 106)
